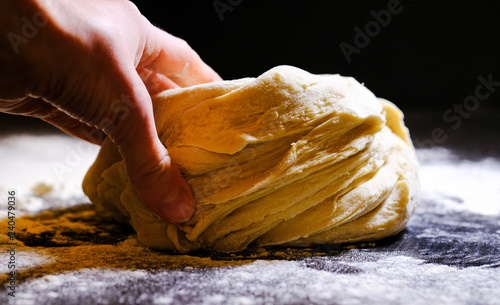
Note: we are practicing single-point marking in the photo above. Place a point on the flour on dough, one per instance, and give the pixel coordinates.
(287, 158)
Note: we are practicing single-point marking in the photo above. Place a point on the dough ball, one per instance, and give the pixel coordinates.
(287, 158)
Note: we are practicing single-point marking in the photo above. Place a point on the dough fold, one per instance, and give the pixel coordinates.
(288, 158)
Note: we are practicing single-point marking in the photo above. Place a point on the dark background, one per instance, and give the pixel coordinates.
(426, 59)
(428, 56)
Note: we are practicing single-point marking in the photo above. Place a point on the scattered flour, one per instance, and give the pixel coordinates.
(58, 164)
(460, 185)
(46, 171)
(388, 280)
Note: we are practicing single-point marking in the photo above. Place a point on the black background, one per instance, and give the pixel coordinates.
(428, 56)
(426, 59)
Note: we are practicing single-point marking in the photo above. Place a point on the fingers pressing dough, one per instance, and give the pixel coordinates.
(288, 158)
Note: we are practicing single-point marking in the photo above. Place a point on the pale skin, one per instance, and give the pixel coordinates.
(90, 68)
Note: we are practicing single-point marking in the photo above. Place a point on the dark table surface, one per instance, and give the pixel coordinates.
(448, 254)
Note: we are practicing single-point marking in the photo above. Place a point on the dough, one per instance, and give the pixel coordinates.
(288, 158)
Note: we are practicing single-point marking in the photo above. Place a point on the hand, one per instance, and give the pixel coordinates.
(89, 68)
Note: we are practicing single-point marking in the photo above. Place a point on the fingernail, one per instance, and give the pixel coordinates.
(178, 210)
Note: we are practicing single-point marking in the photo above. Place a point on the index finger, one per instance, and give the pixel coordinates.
(174, 58)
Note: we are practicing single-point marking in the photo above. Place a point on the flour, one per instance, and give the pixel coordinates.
(127, 273)
(460, 185)
(390, 279)
(45, 170)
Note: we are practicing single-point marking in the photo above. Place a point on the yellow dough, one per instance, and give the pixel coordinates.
(288, 158)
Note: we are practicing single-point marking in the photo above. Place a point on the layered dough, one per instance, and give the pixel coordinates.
(287, 158)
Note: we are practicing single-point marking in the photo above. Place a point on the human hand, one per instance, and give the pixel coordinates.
(90, 69)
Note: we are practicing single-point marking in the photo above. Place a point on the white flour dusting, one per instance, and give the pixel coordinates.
(47, 172)
(387, 280)
(57, 162)
(460, 185)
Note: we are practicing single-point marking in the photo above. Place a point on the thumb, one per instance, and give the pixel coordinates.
(150, 168)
